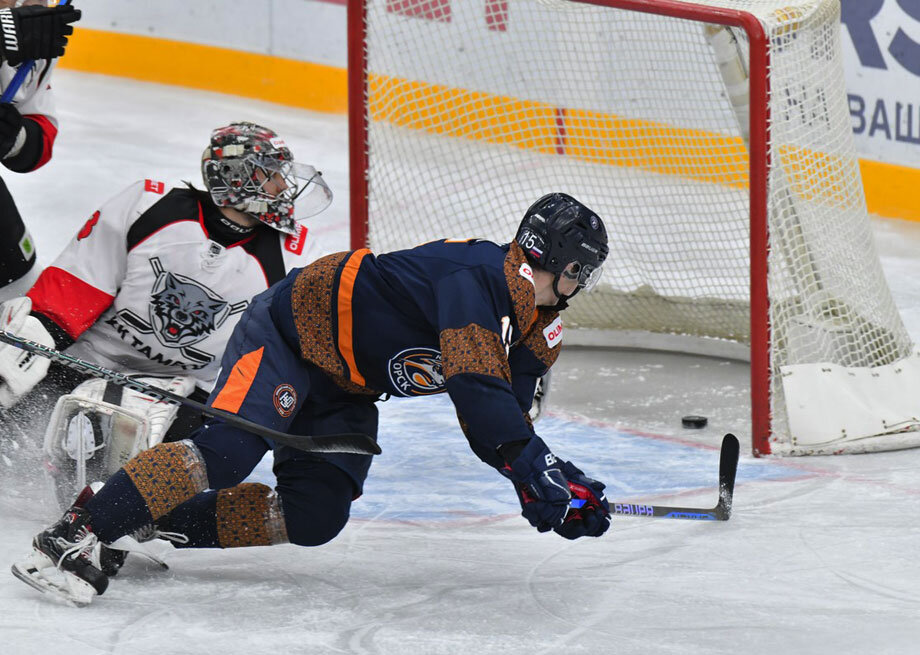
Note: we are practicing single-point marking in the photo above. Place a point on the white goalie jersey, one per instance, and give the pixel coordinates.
(34, 96)
(145, 287)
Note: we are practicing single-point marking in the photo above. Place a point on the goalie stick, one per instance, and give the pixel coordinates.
(728, 467)
(348, 442)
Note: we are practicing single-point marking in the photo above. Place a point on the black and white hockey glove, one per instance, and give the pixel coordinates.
(35, 32)
(556, 495)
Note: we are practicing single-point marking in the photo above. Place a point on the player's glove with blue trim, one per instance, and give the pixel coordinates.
(546, 487)
(590, 513)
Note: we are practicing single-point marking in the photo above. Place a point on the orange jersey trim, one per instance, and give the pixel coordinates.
(239, 382)
(346, 323)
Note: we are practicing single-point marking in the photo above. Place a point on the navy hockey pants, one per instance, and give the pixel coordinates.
(264, 379)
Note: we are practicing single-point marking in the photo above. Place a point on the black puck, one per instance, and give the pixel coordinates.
(694, 422)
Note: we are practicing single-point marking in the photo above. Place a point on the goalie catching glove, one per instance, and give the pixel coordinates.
(556, 495)
(21, 370)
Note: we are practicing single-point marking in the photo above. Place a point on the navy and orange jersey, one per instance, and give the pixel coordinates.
(451, 316)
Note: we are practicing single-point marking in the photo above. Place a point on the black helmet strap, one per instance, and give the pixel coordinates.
(563, 299)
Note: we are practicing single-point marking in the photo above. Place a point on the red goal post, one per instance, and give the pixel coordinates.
(461, 113)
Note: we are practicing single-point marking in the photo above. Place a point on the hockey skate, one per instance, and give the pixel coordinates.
(113, 555)
(65, 561)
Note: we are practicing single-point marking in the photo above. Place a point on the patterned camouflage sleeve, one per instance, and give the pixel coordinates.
(475, 332)
(491, 383)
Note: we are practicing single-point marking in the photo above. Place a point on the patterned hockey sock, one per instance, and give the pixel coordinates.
(248, 514)
(149, 486)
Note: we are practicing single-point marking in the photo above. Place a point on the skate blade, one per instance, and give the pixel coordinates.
(129, 544)
(72, 590)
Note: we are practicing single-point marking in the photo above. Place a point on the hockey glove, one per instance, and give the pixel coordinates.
(590, 513)
(541, 487)
(21, 370)
(35, 32)
(12, 134)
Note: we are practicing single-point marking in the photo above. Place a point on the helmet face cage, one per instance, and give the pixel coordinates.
(562, 236)
(586, 274)
(249, 168)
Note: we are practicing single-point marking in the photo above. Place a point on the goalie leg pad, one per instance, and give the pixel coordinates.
(88, 440)
(99, 427)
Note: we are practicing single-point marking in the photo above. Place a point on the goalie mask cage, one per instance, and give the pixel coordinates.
(714, 140)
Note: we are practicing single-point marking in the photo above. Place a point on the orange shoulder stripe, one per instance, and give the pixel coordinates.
(346, 322)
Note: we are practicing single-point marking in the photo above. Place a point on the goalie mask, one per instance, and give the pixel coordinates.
(249, 168)
(562, 236)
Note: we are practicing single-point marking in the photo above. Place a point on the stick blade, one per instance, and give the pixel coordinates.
(728, 468)
(353, 443)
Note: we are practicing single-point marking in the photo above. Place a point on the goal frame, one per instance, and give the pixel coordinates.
(759, 162)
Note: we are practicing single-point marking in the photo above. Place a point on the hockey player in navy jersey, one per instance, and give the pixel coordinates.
(313, 354)
(152, 284)
(28, 122)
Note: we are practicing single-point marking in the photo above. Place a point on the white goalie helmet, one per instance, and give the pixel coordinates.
(249, 167)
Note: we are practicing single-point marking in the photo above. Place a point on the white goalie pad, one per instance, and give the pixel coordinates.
(837, 409)
(90, 437)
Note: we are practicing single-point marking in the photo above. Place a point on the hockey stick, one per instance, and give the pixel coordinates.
(728, 467)
(348, 442)
(10, 91)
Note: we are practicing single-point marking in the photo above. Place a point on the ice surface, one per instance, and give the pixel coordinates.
(820, 555)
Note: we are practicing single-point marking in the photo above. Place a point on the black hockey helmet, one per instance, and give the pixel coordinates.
(562, 236)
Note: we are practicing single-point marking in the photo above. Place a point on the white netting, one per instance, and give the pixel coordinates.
(477, 108)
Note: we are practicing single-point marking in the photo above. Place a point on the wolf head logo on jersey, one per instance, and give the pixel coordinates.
(417, 372)
(183, 312)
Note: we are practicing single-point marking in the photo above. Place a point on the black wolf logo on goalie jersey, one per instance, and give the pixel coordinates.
(417, 372)
(181, 313)
(184, 312)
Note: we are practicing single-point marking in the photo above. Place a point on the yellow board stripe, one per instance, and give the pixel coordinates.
(531, 125)
(890, 189)
(284, 81)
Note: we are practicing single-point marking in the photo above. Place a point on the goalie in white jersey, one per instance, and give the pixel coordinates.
(153, 284)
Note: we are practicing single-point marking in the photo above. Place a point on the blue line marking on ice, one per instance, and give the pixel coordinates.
(427, 471)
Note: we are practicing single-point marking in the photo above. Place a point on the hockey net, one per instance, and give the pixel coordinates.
(714, 140)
